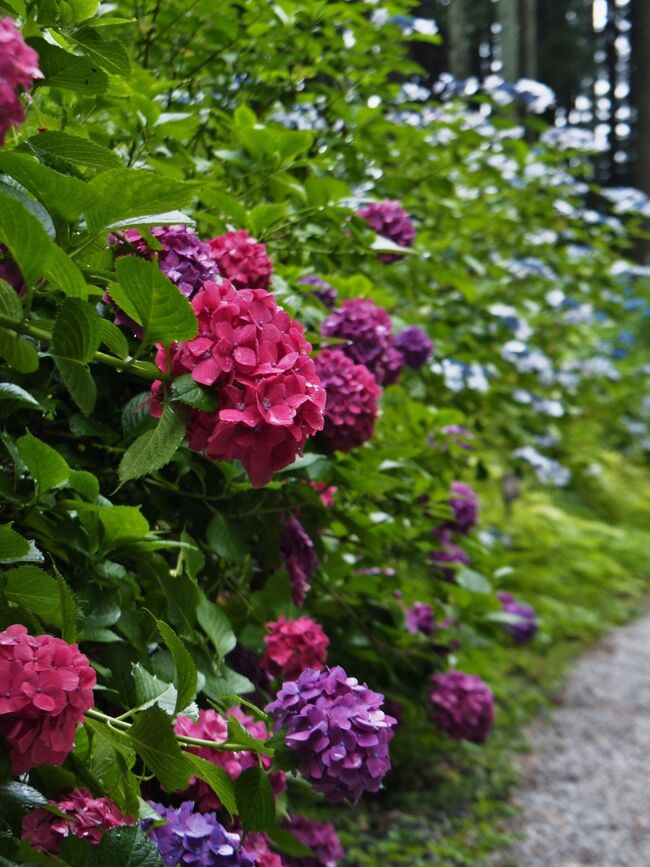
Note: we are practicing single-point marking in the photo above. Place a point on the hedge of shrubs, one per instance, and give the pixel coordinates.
(270, 314)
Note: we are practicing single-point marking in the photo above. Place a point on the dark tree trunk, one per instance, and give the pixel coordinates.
(641, 101)
(460, 48)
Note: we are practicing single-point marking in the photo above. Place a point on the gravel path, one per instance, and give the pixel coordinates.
(585, 789)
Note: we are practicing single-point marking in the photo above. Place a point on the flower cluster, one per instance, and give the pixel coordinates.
(84, 816)
(18, 69)
(415, 346)
(211, 726)
(352, 394)
(299, 557)
(448, 558)
(464, 504)
(294, 645)
(390, 220)
(325, 293)
(242, 260)
(10, 272)
(320, 837)
(46, 687)
(419, 618)
(257, 846)
(195, 838)
(525, 630)
(462, 705)
(339, 730)
(257, 359)
(368, 329)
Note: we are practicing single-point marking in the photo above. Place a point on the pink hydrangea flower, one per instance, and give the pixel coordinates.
(18, 69)
(462, 705)
(86, 817)
(46, 686)
(257, 845)
(242, 260)
(326, 492)
(389, 219)
(294, 645)
(352, 400)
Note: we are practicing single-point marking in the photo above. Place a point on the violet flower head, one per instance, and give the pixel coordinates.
(339, 731)
(195, 838)
(322, 290)
(462, 705)
(390, 220)
(320, 837)
(299, 557)
(526, 629)
(415, 346)
(448, 558)
(368, 328)
(419, 618)
(465, 506)
(351, 405)
(18, 70)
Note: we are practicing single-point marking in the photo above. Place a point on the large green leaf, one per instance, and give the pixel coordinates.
(107, 53)
(154, 448)
(75, 339)
(45, 464)
(126, 193)
(11, 391)
(75, 149)
(126, 847)
(32, 588)
(153, 738)
(216, 626)
(217, 778)
(186, 676)
(191, 393)
(68, 71)
(62, 195)
(255, 801)
(226, 538)
(12, 544)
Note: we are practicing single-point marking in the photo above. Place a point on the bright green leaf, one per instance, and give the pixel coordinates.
(154, 448)
(45, 464)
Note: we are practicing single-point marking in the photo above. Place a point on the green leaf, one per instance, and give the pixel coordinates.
(107, 53)
(32, 588)
(11, 391)
(264, 216)
(216, 626)
(186, 679)
(18, 352)
(473, 581)
(45, 464)
(255, 801)
(191, 393)
(121, 525)
(150, 690)
(62, 69)
(63, 196)
(154, 448)
(77, 331)
(86, 484)
(126, 193)
(68, 608)
(217, 778)
(226, 539)
(10, 304)
(12, 544)
(126, 847)
(288, 844)
(80, 383)
(153, 737)
(113, 339)
(21, 795)
(75, 149)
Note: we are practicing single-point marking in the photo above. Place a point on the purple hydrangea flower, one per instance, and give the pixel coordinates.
(525, 630)
(351, 405)
(368, 328)
(464, 504)
(415, 346)
(320, 837)
(195, 838)
(325, 293)
(448, 558)
(299, 557)
(419, 618)
(462, 705)
(389, 219)
(339, 730)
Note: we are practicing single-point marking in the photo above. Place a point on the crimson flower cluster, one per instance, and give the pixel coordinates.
(390, 220)
(294, 645)
(448, 558)
(320, 837)
(18, 69)
(46, 686)
(322, 290)
(84, 816)
(415, 345)
(299, 557)
(462, 705)
(339, 731)
(465, 506)
(419, 618)
(368, 330)
(257, 359)
(352, 400)
(257, 846)
(242, 260)
(525, 630)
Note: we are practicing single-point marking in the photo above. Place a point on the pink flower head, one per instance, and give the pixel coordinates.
(448, 558)
(211, 726)
(326, 492)
(257, 845)
(389, 219)
(462, 705)
(352, 400)
(256, 359)
(294, 645)
(320, 837)
(18, 69)
(86, 817)
(465, 506)
(46, 686)
(242, 260)
(299, 557)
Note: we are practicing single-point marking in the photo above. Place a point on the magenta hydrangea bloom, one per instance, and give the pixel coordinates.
(419, 618)
(242, 260)
(339, 730)
(46, 686)
(368, 329)
(320, 837)
(448, 558)
(257, 846)
(299, 555)
(390, 220)
(415, 346)
(294, 645)
(195, 838)
(462, 705)
(526, 629)
(465, 506)
(324, 291)
(85, 816)
(352, 400)
(18, 70)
